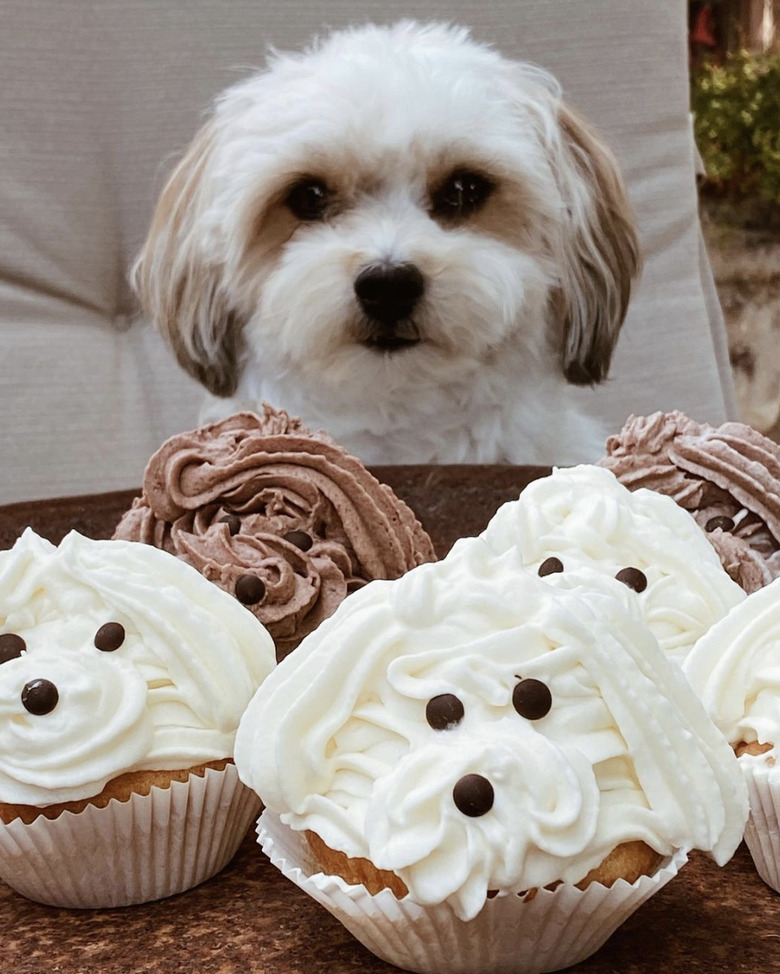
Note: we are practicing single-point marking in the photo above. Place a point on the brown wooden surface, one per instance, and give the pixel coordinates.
(250, 919)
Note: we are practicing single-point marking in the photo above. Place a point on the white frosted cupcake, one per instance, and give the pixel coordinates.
(465, 762)
(583, 517)
(123, 675)
(734, 669)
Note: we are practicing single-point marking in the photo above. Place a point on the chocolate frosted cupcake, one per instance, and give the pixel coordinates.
(279, 516)
(728, 477)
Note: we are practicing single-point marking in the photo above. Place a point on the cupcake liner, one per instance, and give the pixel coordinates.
(762, 832)
(143, 849)
(552, 931)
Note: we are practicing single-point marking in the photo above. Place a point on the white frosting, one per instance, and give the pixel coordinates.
(169, 697)
(735, 669)
(585, 517)
(336, 740)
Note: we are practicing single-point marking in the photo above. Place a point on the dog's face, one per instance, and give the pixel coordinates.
(101, 671)
(396, 202)
(584, 518)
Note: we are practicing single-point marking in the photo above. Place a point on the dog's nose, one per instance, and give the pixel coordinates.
(389, 292)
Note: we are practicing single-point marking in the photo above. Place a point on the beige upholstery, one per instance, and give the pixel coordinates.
(97, 98)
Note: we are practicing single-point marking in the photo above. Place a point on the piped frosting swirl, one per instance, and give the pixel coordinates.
(263, 497)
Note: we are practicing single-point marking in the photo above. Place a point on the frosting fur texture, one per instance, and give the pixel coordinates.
(734, 668)
(341, 738)
(586, 518)
(264, 496)
(169, 695)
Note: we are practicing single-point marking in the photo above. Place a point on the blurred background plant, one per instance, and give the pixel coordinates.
(735, 103)
(736, 111)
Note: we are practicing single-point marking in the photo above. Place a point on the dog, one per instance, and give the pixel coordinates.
(402, 237)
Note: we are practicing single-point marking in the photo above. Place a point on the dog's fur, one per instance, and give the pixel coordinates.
(523, 294)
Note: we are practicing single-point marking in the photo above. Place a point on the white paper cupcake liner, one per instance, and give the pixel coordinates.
(762, 832)
(147, 848)
(550, 932)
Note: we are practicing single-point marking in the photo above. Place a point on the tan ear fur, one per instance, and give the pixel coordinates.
(600, 250)
(179, 288)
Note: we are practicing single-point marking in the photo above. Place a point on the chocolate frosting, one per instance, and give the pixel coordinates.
(276, 477)
(730, 471)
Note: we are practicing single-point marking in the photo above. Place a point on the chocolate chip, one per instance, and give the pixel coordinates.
(11, 646)
(250, 589)
(444, 711)
(550, 566)
(110, 637)
(632, 577)
(300, 539)
(473, 795)
(40, 697)
(233, 522)
(532, 699)
(721, 521)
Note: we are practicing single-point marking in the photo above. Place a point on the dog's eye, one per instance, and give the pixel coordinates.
(550, 566)
(444, 711)
(461, 194)
(633, 578)
(532, 699)
(308, 199)
(110, 637)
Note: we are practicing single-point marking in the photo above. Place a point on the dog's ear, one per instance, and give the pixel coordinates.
(600, 251)
(179, 287)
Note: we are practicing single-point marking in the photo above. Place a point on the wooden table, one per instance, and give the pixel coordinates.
(250, 919)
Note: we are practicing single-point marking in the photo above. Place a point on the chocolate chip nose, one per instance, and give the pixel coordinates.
(473, 795)
(389, 292)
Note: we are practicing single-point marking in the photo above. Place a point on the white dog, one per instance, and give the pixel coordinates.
(404, 238)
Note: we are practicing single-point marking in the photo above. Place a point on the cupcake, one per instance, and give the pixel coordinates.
(477, 770)
(123, 675)
(727, 476)
(278, 516)
(734, 668)
(584, 518)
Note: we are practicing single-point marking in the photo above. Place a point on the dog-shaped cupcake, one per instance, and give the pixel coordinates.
(474, 729)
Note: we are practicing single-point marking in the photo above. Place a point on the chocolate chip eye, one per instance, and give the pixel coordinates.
(11, 646)
(110, 637)
(300, 539)
(444, 711)
(40, 697)
(473, 795)
(308, 199)
(633, 577)
(550, 566)
(233, 522)
(250, 589)
(721, 521)
(532, 699)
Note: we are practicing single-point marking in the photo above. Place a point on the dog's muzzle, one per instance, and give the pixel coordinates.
(388, 294)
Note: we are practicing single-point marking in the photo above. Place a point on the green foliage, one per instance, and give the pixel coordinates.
(736, 109)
